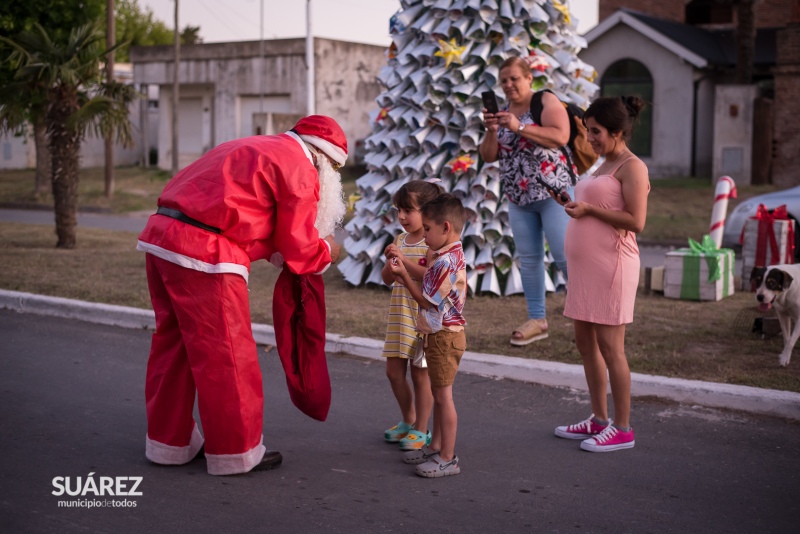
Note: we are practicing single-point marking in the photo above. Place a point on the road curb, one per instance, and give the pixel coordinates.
(745, 398)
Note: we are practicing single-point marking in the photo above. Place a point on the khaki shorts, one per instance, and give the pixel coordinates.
(443, 350)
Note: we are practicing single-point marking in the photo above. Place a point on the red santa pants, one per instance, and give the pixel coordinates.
(204, 343)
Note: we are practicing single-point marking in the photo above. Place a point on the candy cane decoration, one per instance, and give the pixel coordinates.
(726, 189)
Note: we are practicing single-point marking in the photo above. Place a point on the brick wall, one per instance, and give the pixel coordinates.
(769, 13)
(776, 13)
(664, 9)
(786, 130)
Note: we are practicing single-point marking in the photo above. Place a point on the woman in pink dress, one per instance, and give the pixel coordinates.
(608, 211)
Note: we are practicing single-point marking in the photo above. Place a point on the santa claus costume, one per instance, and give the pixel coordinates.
(242, 201)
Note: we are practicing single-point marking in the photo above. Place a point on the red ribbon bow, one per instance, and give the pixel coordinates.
(766, 233)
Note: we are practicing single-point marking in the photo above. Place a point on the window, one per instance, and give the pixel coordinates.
(628, 77)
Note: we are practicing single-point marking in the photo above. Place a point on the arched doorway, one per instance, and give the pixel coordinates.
(630, 77)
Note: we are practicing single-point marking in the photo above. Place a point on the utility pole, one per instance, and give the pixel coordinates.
(261, 60)
(311, 100)
(175, 95)
(109, 138)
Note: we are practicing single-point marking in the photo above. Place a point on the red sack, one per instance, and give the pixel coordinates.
(298, 311)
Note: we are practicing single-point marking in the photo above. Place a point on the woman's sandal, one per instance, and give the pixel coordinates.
(530, 331)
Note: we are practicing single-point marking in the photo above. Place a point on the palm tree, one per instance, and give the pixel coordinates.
(76, 102)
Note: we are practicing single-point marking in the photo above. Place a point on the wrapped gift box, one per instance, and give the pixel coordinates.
(687, 274)
(752, 247)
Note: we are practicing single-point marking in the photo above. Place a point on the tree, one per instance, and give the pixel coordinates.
(745, 35)
(442, 58)
(77, 102)
(138, 27)
(22, 106)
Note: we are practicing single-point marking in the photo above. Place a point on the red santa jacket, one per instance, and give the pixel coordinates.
(261, 192)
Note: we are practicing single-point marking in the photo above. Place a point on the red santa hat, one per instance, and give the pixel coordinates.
(325, 134)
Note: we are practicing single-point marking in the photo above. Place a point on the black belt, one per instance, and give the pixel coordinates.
(175, 214)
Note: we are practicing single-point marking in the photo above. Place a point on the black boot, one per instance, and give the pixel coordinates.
(271, 460)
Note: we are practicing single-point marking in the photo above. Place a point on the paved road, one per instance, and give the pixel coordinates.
(71, 403)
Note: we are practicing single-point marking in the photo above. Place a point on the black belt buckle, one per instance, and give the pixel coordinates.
(180, 216)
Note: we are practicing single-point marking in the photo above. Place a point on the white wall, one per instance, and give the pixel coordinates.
(672, 95)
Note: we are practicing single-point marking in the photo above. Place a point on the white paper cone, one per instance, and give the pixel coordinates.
(425, 23)
(433, 139)
(491, 75)
(456, 11)
(488, 11)
(484, 260)
(471, 207)
(409, 15)
(488, 208)
(492, 189)
(479, 185)
(502, 257)
(506, 16)
(469, 141)
(375, 277)
(435, 163)
(460, 25)
(461, 189)
(492, 231)
(355, 273)
(514, 282)
(474, 231)
(442, 30)
(469, 255)
(482, 51)
(476, 31)
(490, 283)
(472, 280)
(549, 287)
(450, 139)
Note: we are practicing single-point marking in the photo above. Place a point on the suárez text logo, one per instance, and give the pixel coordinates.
(112, 486)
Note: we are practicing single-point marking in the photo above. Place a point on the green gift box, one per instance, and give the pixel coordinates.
(699, 272)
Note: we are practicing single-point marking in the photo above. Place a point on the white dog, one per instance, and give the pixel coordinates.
(779, 286)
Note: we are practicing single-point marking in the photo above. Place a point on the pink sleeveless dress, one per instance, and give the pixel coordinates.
(603, 266)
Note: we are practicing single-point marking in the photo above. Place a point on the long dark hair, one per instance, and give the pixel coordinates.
(616, 113)
(415, 194)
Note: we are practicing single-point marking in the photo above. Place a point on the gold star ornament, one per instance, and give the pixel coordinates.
(450, 51)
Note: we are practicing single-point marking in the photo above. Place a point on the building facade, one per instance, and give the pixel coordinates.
(229, 90)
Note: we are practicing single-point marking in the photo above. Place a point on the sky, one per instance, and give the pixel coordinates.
(362, 21)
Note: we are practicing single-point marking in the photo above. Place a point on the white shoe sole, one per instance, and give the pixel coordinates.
(523, 342)
(572, 435)
(591, 447)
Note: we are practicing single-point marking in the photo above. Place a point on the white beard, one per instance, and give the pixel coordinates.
(332, 206)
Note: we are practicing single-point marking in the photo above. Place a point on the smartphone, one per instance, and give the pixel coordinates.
(563, 195)
(490, 102)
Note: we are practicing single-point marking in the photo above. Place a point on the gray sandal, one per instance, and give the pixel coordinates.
(435, 467)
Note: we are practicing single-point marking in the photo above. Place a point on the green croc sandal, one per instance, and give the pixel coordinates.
(415, 440)
(397, 432)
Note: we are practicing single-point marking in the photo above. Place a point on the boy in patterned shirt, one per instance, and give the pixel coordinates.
(441, 303)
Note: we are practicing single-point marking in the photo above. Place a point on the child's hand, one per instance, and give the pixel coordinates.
(398, 269)
(393, 251)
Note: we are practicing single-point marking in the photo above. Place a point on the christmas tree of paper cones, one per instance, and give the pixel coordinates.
(444, 53)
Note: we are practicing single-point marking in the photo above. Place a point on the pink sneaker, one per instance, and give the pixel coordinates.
(584, 429)
(610, 439)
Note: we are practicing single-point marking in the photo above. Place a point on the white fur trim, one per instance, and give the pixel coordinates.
(192, 263)
(232, 464)
(161, 453)
(334, 152)
(302, 144)
(329, 251)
